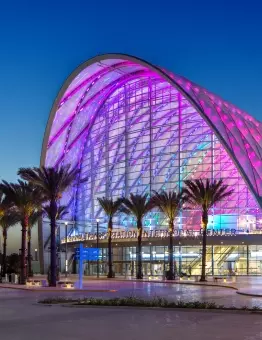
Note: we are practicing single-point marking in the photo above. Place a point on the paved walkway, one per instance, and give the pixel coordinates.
(21, 318)
(250, 286)
(108, 289)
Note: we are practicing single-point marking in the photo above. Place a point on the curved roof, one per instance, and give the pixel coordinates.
(91, 83)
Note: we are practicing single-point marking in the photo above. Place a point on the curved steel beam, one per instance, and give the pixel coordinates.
(174, 83)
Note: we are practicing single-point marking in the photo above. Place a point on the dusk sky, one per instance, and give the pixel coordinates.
(216, 44)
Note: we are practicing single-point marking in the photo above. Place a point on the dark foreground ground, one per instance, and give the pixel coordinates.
(22, 318)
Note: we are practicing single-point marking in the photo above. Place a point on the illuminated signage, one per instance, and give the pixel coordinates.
(132, 234)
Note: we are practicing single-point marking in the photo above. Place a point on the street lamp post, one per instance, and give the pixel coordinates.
(36, 255)
(66, 262)
(97, 246)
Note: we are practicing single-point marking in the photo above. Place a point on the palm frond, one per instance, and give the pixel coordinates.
(138, 205)
(62, 211)
(22, 196)
(9, 219)
(110, 206)
(34, 217)
(4, 205)
(169, 203)
(51, 181)
(206, 193)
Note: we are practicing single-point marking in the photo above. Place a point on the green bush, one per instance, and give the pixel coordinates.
(133, 301)
(58, 300)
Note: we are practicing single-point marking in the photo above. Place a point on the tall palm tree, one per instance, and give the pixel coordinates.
(8, 219)
(62, 211)
(110, 208)
(25, 200)
(3, 209)
(169, 203)
(52, 182)
(139, 206)
(33, 219)
(204, 194)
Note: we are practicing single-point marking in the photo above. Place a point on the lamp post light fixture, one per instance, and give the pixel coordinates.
(66, 261)
(36, 255)
(97, 246)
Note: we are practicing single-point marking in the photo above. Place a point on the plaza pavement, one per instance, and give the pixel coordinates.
(21, 318)
(173, 291)
(249, 285)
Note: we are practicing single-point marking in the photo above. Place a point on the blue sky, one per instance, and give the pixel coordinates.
(217, 44)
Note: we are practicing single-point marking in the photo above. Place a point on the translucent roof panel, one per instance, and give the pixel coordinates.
(89, 119)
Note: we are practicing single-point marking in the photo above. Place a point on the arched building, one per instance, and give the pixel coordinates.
(130, 126)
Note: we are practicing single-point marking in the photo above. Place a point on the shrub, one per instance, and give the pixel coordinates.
(134, 301)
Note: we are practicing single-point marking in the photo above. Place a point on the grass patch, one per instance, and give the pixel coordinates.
(140, 302)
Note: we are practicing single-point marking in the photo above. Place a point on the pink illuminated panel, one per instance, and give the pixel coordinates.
(130, 130)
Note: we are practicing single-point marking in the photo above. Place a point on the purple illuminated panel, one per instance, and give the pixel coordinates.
(130, 127)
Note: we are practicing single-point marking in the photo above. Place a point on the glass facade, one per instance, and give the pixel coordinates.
(221, 261)
(158, 148)
(132, 127)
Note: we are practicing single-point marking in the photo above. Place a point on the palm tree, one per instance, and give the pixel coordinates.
(2, 204)
(169, 203)
(205, 194)
(110, 208)
(33, 219)
(62, 211)
(52, 182)
(8, 219)
(139, 206)
(25, 200)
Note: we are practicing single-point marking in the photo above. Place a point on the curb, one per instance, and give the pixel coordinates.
(249, 294)
(201, 284)
(68, 290)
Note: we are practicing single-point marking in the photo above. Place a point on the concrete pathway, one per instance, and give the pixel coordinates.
(249, 286)
(21, 318)
(108, 289)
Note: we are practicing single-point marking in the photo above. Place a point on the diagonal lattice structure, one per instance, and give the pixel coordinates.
(132, 127)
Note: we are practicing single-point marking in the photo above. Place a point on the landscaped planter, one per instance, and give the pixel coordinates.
(34, 283)
(139, 302)
(66, 284)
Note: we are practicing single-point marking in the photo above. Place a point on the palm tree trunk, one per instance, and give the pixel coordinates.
(53, 261)
(4, 252)
(139, 274)
(110, 264)
(204, 245)
(29, 256)
(23, 252)
(171, 274)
